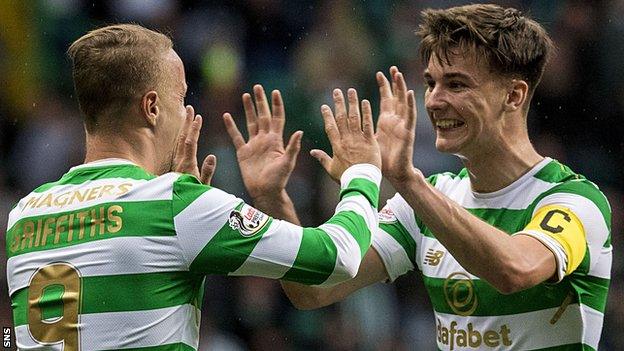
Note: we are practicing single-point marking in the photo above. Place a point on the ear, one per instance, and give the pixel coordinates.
(517, 95)
(149, 107)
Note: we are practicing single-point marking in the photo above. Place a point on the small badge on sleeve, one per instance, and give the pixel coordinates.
(247, 220)
(386, 215)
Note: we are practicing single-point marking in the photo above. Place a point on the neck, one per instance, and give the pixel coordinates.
(140, 151)
(493, 169)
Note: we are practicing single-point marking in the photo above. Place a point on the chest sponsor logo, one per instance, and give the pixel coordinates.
(455, 337)
(460, 294)
(386, 216)
(248, 220)
(433, 257)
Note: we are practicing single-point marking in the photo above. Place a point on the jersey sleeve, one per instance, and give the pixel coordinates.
(220, 234)
(396, 238)
(573, 221)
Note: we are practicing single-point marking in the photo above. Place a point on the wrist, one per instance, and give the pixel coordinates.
(411, 179)
(268, 200)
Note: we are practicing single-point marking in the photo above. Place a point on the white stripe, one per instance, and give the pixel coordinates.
(392, 254)
(200, 221)
(405, 215)
(360, 205)
(275, 253)
(121, 255)
(118, 330)
(141, 190)
(596, 230)
(348, 255)
(527, 331)
(592, 320)
(447, 265)
(602, 268)
(516, 196)
(361, 170)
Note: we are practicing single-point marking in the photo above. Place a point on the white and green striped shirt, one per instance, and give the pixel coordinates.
(470, 314)
(111, 257)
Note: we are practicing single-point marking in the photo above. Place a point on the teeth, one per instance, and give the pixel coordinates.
(448, 123)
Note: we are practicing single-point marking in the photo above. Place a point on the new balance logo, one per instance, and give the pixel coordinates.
(433, 257)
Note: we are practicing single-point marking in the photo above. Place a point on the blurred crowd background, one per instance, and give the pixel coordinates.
(305, 49)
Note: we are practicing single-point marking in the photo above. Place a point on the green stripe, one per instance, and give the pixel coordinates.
(361, 186)
(125, 292)
(489, 301)
(555, 172)
(593, 291)
(315, 260)
(568, 347)
(137, 218)
(402, 236)
(355, 225)
(179, 346)
(227, 250)
(509, 221)
(81, 175)
(186, 189)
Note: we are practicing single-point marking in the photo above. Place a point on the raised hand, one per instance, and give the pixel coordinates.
(264, 162)
(396, 126)
(351, 136)
(185, 156)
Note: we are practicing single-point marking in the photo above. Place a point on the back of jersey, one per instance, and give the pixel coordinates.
(94, 264)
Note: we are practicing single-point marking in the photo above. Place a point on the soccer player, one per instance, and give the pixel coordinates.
(114, 254)
(515, 249)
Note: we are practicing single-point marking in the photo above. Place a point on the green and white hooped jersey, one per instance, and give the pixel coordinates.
(111, 257)
(470, 314)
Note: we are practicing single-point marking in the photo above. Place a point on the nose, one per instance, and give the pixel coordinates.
(434, 99)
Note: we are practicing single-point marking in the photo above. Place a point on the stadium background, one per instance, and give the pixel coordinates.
(306, 48)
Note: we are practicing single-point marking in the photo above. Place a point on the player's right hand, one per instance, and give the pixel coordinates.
(351, 135)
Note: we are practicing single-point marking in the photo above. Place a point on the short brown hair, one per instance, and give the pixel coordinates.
(114, 64)
(511, 43)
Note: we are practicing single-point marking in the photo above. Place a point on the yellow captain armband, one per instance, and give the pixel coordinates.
(561, 224)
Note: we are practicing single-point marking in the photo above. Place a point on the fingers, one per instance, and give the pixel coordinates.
(353, 121)
(262, 106)
(190, 143)
(367, 119)
(188, 120)
(208, 169)
(393, 71)
(279, 115)
(341, 112)
(386, 103)
(400, 93)
(250, 115)
(293, 147)
(410, 122)
(235, 135)
(323, 158)
(331, 129)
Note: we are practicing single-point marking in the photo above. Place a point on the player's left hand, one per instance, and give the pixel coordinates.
(265, 163)
(185, 157)
(396, 126)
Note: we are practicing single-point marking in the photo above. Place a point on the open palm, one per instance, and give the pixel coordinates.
(396, 126)
(265, 163)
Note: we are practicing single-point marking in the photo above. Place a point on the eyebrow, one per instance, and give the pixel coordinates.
(451, 75)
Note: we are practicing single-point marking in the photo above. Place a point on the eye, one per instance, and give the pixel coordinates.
(429, 85)
(456, 85)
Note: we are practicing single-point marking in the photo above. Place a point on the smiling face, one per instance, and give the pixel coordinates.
(465, 103)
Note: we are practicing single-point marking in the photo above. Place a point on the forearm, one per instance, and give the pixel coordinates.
(479, 247)
(277, 205)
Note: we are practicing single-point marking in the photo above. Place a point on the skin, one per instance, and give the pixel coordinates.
(494, 146)
(159, 133)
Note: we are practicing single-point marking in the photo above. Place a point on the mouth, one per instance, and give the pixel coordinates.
(448, 124)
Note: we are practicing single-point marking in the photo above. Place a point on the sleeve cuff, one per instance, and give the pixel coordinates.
(361, 170)
(554, 246)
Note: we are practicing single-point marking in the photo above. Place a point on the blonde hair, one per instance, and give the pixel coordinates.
(113, 65)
